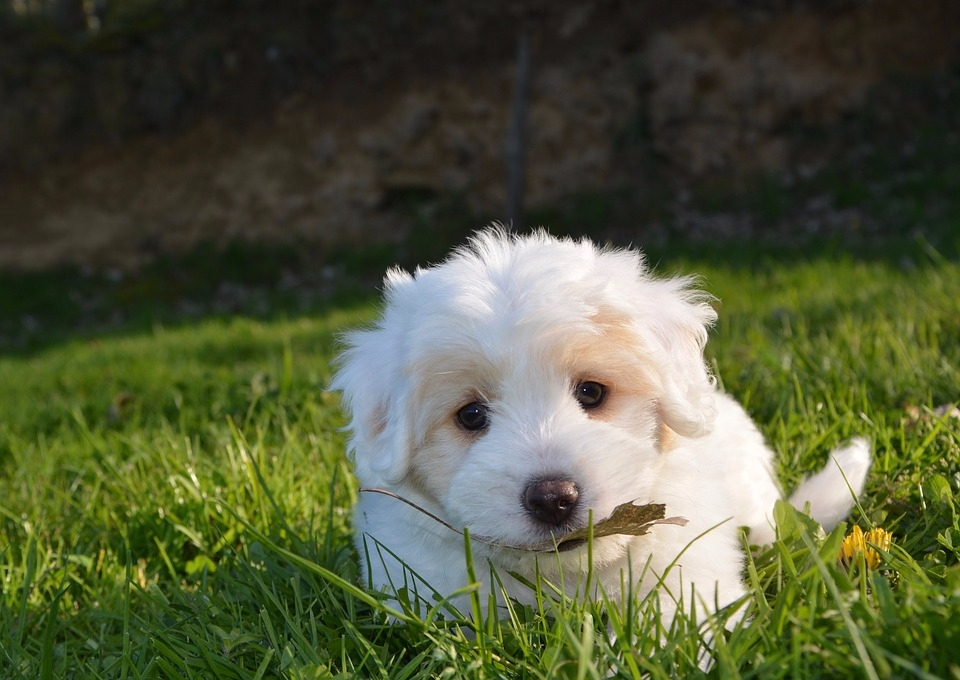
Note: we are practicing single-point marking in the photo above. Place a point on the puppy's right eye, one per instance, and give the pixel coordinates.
(589, 394)
(474, 416)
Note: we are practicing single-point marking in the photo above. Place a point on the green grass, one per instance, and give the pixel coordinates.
(175, 500)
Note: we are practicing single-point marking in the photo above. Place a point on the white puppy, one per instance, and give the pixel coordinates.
(529, 381)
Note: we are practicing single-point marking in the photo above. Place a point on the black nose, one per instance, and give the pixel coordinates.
(551, 501)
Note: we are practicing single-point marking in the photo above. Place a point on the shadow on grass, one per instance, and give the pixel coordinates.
(888, 194)
(39, 310)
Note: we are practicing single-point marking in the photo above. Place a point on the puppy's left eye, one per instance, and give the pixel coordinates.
(474, 416)
(589, 394)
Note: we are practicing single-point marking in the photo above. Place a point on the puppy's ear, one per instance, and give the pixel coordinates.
(375, 392)
(675, 328)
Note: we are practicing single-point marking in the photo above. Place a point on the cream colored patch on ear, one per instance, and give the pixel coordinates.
(378, 421)
(666, 438)
(433, 462)
(423, 482)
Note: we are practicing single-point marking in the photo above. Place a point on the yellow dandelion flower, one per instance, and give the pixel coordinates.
(859, 543)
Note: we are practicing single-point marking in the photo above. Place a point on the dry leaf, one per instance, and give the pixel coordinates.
(628, 520)
(915, 415)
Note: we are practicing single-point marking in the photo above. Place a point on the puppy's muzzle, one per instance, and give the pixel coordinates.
(551, 501)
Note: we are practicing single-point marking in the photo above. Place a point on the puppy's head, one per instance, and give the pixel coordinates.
(526, 381)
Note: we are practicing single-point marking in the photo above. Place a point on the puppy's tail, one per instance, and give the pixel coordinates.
(829, 494)
(832, 492)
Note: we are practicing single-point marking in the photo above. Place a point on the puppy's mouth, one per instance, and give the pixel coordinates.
(555, 543)
(569, 545)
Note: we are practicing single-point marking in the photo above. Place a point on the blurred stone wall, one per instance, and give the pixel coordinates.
(178, 123)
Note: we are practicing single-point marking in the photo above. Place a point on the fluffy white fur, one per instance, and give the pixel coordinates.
(515, 324)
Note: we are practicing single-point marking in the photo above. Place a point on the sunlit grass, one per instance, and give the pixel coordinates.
(176, 502)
